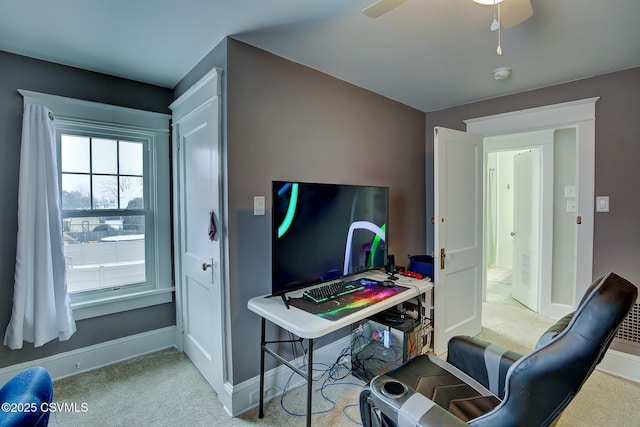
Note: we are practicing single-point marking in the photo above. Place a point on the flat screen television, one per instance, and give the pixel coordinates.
(322, 232)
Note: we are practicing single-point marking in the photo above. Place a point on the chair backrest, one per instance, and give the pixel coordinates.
(541, 384)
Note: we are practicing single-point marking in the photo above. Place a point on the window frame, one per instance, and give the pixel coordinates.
(102, 120)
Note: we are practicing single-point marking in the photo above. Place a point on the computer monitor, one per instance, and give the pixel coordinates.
(321, 232)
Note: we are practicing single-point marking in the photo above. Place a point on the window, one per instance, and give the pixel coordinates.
(103, 205)
(114, 181)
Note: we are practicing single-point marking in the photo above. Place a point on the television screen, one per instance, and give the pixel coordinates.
(322, 232)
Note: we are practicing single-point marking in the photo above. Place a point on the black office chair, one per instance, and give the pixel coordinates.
(482, 384)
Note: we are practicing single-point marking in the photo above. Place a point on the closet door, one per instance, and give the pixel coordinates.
(199, 287)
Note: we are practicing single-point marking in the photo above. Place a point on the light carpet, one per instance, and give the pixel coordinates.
(165, 389)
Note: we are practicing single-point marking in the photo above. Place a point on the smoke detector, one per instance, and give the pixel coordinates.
(502, 73)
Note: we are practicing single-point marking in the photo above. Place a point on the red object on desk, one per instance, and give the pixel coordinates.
(412, 274)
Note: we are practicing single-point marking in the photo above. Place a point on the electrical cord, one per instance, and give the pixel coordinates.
(335, 374)
(333, 378)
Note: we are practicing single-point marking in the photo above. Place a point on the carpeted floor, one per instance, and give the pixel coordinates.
(165, 389)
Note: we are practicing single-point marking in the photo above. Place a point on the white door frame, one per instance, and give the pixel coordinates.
(581, 115)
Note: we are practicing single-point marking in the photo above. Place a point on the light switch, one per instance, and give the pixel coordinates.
(569, 191)
(602, 204)
(571, 205)
(258, 205)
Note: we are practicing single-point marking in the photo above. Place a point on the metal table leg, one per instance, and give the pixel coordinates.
(262, 345)
(309, 382)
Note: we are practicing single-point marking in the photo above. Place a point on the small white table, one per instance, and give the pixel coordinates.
(309, 326)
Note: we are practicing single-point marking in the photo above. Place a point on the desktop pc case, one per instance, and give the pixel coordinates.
(385, 341)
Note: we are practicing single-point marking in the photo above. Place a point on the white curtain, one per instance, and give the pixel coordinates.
(41, 309)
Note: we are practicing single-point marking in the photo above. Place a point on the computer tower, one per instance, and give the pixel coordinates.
(387, 340)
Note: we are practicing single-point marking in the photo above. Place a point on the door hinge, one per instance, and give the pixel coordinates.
(579, 220)
(442, 256)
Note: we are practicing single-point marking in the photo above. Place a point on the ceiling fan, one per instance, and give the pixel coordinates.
(512, 12)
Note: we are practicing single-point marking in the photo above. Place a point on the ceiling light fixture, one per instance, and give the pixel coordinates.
(488, 2)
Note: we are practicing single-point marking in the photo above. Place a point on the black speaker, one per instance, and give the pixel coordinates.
(391, 267)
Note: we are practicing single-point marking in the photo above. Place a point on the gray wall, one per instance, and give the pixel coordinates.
(19, 72)
(287, 121)
(616, 234)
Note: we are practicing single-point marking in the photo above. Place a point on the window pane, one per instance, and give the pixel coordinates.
(105, 192)
(131, 158)
(103, 252)
(75, 192)
(131, 192)
(74, 153)
(133, 225)
(104, 154)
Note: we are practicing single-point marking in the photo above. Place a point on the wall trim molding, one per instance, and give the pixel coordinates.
(621, 364)
(246, 395)
(85, 359)
(544, 117)
(64, 107)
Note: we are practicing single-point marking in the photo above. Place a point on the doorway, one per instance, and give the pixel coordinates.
(530, 212)
(519, 213)
(579, 117)
(530, 208)
(516, 206)
(500, 192)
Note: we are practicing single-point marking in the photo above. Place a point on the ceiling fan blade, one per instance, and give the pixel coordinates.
(513, 12)
(381, 7)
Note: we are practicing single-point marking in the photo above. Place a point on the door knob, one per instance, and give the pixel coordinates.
(513, 233)
(205, 266)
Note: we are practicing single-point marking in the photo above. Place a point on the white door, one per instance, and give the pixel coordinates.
(197, 140)
(458, 242)
(526, 228)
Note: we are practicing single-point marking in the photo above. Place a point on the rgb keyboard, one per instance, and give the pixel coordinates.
(332, 291)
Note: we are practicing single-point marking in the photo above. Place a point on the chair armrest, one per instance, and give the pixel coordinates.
(404, 406)
(485, 362)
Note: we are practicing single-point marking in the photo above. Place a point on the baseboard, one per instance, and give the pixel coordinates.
(558, 311)
(246, 395)
(87, 358)
(621, 364)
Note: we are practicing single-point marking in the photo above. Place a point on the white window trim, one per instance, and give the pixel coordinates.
(121, 117)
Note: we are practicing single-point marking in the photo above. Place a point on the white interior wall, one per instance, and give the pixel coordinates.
(564, 221)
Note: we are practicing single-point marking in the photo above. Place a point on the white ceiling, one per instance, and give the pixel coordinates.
(429, 54)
